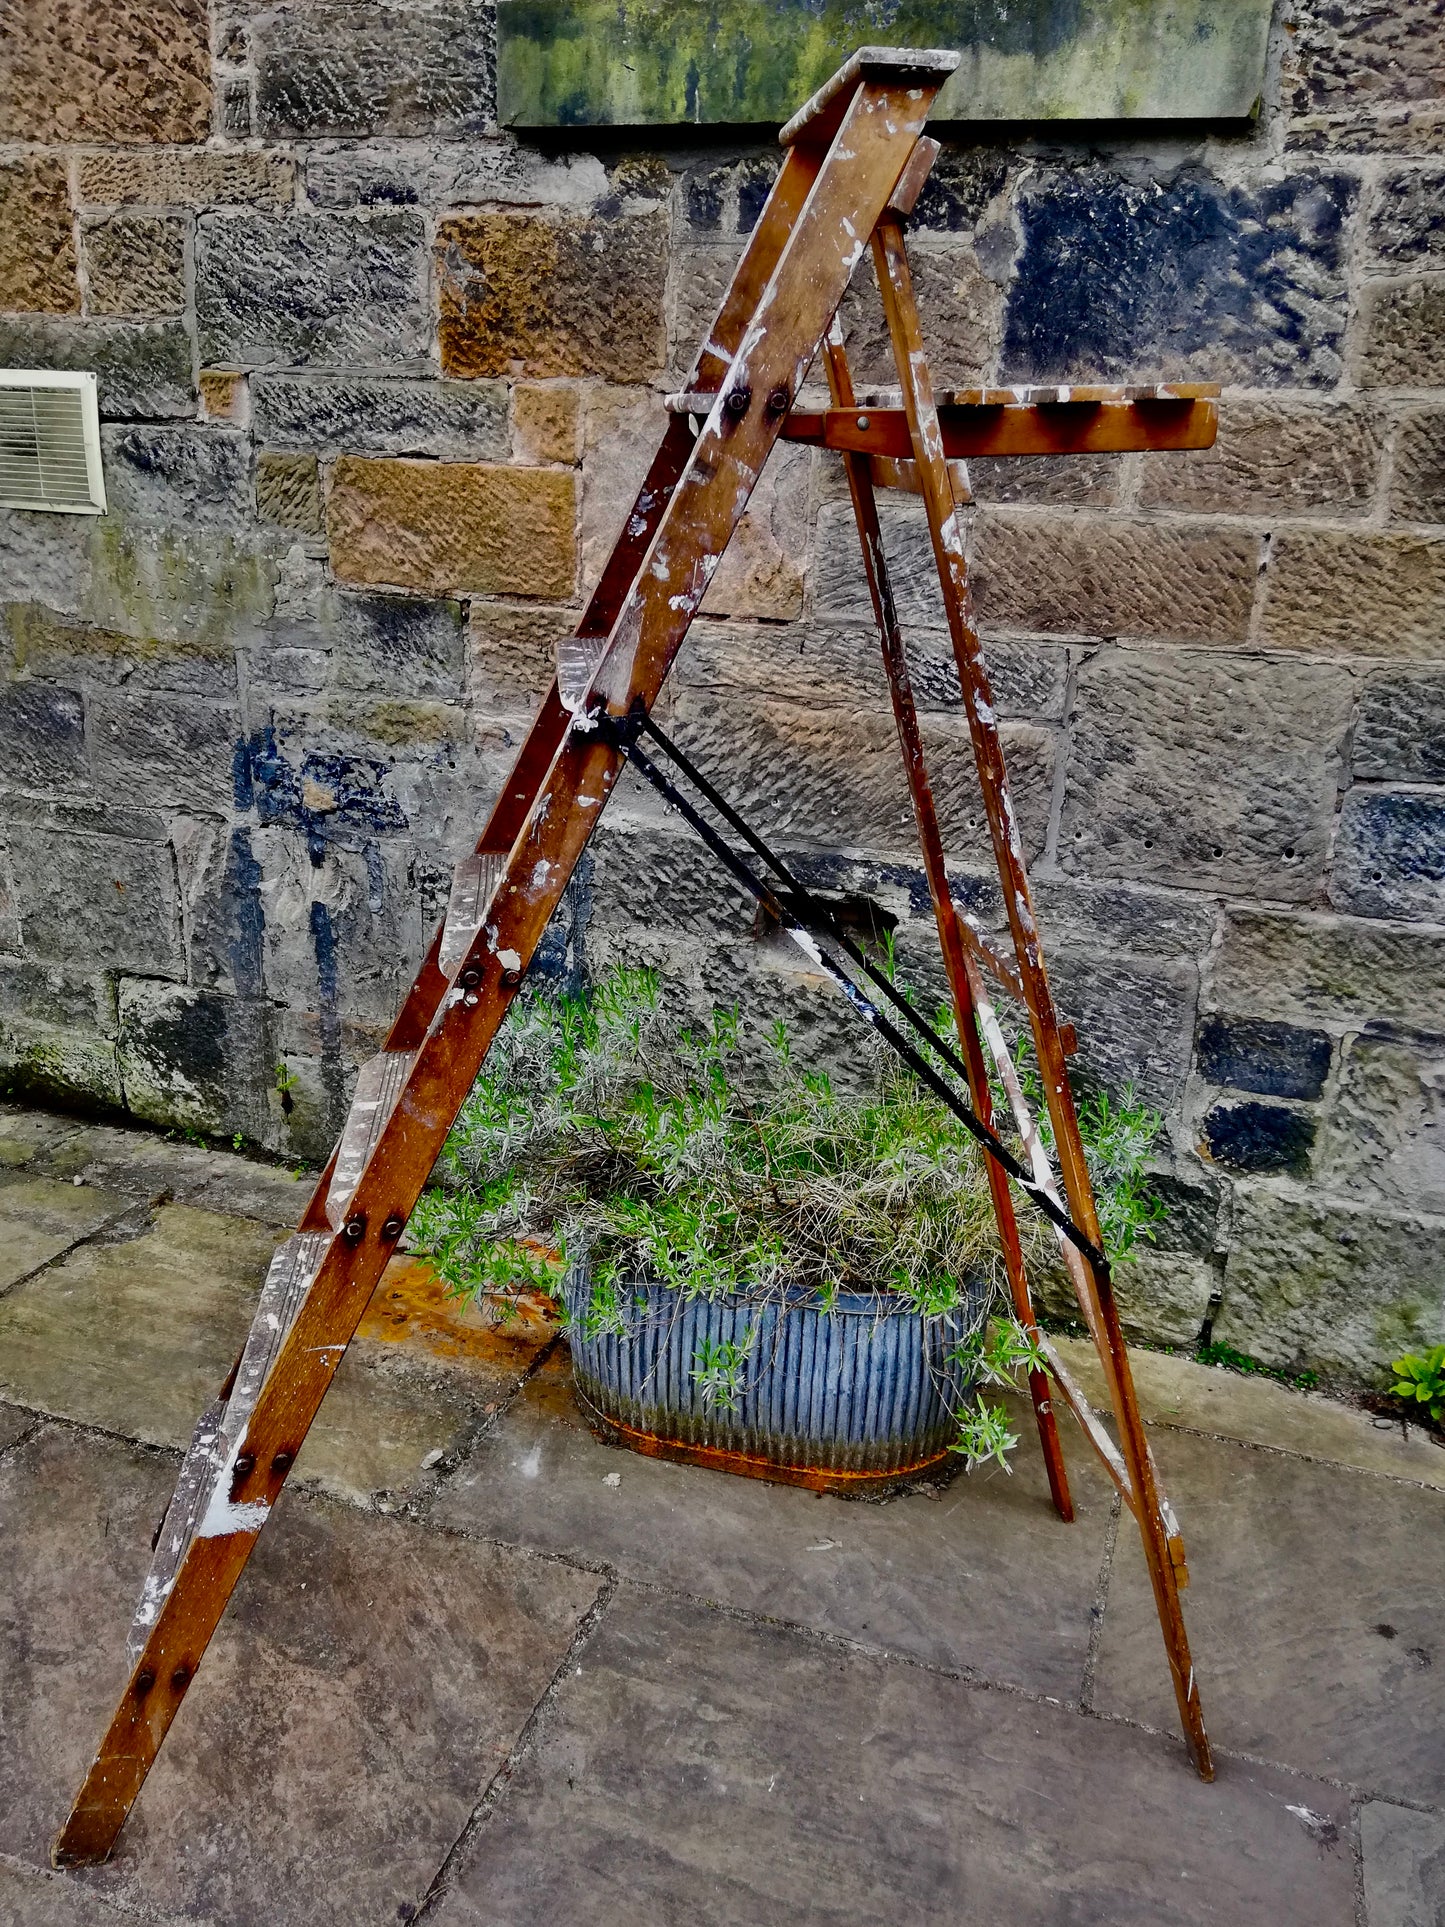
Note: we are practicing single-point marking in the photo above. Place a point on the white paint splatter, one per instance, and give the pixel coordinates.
(509, 960)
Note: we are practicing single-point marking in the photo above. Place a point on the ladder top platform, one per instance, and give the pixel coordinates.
(819, 117)
(1025, 395)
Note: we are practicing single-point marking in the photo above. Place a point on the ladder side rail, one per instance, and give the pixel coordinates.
(955, 962)
(815, 263)
(895, 284)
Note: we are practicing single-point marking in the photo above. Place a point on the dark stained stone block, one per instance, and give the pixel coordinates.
(1390, 855)
(1121, 278)
(1255, 1054)
(325, 69)
(42, 736)
(177, 749)
(1248, 1136)
(85, 897)
(349, 412)
(1400, 731)
(143, 368)
(1407, 217)
(310, 290)
(1417, 485)
(189, 476)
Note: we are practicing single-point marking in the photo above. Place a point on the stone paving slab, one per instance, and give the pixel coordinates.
(981, 1575)
(1404, 1865)
(366, 1684)
(134, 1335)
(29, 1898)
(43, 1217)
(696, 1768)
(24, 1134)
(1181, 1392)
(1315, 1617)
(13, 1425)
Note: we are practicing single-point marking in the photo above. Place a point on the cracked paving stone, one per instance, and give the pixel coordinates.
(40, 1218)
(981, 1575)
(1314, 1617)
(136, 1336)
(697, 1768)
(1404, 1866)
(366, 1683)
(13, 1425)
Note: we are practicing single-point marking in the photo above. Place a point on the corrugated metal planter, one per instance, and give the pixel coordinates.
(854, 1398)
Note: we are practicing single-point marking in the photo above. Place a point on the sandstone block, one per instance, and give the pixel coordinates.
(237, 117)
(1126, 279)
(50, 646)
(1348, 64)
(761, 574)
(569, 296)
(325, 69)
(960, 309)
(399, 645)
(454, 526)
(37, 247)
(1330, 1287)
(225, 396)
(696, 282)
(1417, 485)
(1384, 1135)
(1400, 730)
(45, 558)
(203, 585)
(620, 436)
(42, 737)
(143, 368)
(512, 653)
(1406, 221)
(135, 264)
(452, 419)
(1403, 327)
(288, 491)
(188, 476)
(1116, 917)
(1163, 1297)
(1205, 771)
(546, 422)
(1329, 969)
(193, 1057)
(1273, 459)
(1255, 1054)
(835, 776)
(169, 749)
(1113, 578)
(450, 174)
(181, 178)
(1362, 595)
(1135, 1020)
(56, 1064)
(1244, 1134)
(1390, 855)
(82, 897)
(128, 73)
(317, 290)
(1073, 481)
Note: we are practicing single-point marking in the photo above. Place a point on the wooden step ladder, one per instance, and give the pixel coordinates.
(854, 163)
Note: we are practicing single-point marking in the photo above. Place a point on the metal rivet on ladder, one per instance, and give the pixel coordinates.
(779, 401)
(282, 1463)
(393, 1229)
(469, 979)
(862, 421)
(245, 1464)
(510, 979)
(738, 402)
(181, 1678)
(354, 1230)
(144, 1682)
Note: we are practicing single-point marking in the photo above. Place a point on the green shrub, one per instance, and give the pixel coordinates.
(598, 1127)
(1421, 1376)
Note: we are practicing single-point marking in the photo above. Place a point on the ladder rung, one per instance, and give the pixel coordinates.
(178, 1527)
(473, 881)
(377, 1088)
(577, 660)
(291, 1271)
(690, 402)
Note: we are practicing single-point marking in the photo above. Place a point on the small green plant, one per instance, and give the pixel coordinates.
(717, 1370)
(238, 1140)
(1232, 1361)
(1420, 1376)
(286, 1080)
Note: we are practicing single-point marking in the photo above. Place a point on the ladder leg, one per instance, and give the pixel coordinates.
(803, 265)
(895, 662)
(900, 310)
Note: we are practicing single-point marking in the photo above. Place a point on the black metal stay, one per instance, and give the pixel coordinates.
(806, 919)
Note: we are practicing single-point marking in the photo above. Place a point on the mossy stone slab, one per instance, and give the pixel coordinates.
(639, 63)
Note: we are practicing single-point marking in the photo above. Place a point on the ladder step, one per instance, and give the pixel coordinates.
(377, 1088)
(577, 660)
(295, 1264)
(473, 881)
(178, 1527)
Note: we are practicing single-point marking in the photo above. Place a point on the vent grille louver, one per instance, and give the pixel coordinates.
(50, 442)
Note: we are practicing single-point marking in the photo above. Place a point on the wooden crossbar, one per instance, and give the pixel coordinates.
(855, 162)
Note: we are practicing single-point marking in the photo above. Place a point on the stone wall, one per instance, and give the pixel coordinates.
(377, 382)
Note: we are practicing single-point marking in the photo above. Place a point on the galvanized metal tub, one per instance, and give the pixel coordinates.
(854, 1397)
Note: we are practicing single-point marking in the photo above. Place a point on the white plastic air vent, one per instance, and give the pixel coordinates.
(50, 442)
